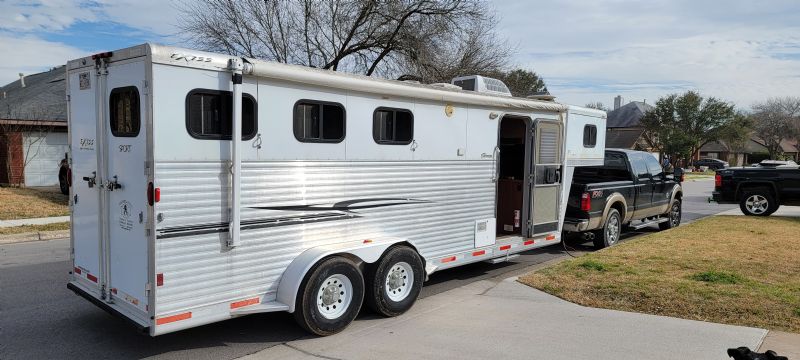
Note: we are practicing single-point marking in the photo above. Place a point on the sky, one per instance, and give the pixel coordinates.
(586, 50)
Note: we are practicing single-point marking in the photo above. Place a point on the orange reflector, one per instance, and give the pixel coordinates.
(367, 241)
(550, 237)
(78, 271)
(247, 302)
(505, 247)
(173, 318)
(528, 242)
(449, 259)
(91, 277)
(479, 253)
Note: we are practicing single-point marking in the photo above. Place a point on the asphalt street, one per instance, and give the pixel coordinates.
(40, 318)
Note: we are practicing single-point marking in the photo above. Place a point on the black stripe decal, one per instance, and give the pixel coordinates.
(181, 231)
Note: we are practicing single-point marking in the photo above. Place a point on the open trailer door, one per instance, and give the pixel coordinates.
(546, 177)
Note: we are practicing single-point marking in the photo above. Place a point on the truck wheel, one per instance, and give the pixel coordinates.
(758, 202)
(394, 282)
(609, 234)
(331, 296)
(63, 183)
(674, 215)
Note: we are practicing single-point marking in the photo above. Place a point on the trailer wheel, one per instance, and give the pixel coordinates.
(394, 282)
(609, 234)
(331, 296)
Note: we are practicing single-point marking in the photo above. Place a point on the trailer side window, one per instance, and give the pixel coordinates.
(124, 111)
(209, 114)
(392, 126)
(318, 121)
(589, 136)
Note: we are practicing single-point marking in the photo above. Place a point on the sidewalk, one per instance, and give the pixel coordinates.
(789, 211)
(34, 221)
(509, 320)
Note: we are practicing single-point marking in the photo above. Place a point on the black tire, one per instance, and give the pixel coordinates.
(63, 183)
(758, 202)
(379, 283)
(609, 234)
(674, 215)
(307, 311)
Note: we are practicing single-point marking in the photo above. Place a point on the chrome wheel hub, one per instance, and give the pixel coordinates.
(756, 204)
(399, 280)
(612, 230)
(334, 296)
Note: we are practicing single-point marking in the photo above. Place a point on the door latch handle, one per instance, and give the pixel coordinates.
(113, 185)
(91, 180)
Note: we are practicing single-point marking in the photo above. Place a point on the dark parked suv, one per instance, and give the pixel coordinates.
(713, 164)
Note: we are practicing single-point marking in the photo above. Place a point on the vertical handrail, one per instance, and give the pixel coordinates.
(236, 66)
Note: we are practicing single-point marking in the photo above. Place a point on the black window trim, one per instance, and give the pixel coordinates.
(195, 135)
(592, 144)
(322, 121)
(392, 142)
(138, 111)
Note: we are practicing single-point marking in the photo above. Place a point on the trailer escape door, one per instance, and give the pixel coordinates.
(545, 179)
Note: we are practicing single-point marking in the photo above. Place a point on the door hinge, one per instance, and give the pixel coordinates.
(147, 168)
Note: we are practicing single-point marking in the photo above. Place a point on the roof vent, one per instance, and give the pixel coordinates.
(22, 79)
(482, 84)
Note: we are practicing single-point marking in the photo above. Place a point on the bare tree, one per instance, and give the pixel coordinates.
(596, 105)
(776, 120)
(429, 40)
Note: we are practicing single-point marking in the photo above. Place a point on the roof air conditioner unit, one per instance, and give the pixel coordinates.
(482, 84)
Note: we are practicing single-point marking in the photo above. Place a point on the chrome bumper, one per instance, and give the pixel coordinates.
(576, 225)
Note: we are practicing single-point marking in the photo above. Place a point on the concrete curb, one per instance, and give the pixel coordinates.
(34, 236)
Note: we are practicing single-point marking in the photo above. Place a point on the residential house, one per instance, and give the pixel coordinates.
(623, 127)
(33, 128)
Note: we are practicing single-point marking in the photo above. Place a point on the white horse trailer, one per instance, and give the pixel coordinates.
(341, 189)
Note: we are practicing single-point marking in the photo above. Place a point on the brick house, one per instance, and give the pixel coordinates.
(33, 128)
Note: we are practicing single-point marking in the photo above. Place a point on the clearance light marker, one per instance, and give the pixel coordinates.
(449, 259)
(505, 247)
(479, 253)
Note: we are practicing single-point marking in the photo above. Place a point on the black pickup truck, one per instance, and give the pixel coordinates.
(759, 190)
(630, 190)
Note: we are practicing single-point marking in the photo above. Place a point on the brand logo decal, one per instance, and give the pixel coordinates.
(190, 57)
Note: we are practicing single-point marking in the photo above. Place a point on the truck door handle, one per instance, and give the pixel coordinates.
(91, 180)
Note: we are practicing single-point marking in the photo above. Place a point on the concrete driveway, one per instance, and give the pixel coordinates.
(509, 320)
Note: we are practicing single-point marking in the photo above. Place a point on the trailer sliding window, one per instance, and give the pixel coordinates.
(209, 114)
(392, 126)
(319, 121)
(124, 110)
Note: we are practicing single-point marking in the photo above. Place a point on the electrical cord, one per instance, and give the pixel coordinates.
(567, 248)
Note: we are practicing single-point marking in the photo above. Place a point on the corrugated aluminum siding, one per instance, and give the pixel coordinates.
(199, 270)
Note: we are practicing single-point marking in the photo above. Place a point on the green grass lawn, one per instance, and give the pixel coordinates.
(34, 228)
(25, 203)
(727, 269)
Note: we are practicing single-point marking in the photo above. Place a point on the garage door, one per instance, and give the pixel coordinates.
(45, 153)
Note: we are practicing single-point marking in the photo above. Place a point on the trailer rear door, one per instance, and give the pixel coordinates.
(546, 177)
(110, 210)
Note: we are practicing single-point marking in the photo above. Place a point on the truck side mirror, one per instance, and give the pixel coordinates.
(678, 174)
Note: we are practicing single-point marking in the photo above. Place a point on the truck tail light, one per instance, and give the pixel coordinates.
(717, 180)
(153, 194)
(586, 202)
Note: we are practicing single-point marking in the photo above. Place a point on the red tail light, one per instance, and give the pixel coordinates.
(586, 202)
(153, 194)
(717, 180)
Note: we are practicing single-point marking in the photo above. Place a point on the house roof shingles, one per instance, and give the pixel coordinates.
(623, 138)
(42, 98)
(627, 115)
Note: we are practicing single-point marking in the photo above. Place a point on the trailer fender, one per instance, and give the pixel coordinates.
(368, 251)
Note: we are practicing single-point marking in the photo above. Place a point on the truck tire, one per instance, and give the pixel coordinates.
(63, 182)
(758, 202)
(674, 215)
(394, 282)
(609, 234)
(330, 296)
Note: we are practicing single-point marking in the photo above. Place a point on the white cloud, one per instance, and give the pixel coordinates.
(593, 50)
(43, 15)
(31, 55)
